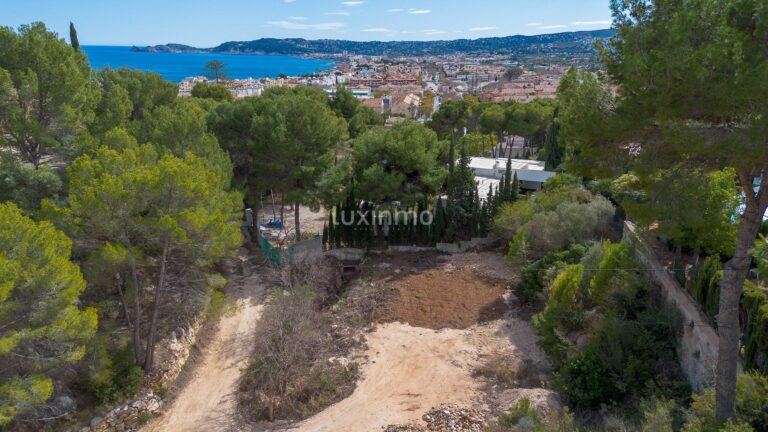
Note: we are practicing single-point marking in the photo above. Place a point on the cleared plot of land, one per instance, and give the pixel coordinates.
(443, 318)
(443, 298)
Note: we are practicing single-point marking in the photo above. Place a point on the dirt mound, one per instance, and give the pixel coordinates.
(445, 297)
(446, 418)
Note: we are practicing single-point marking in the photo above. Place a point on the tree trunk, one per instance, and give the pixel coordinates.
(274, 211)
(136, 315)
(150, 356)
(297, 221)
(734, 275)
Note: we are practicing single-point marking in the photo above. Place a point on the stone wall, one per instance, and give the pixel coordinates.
(699, 344)
(128, 417)
(171, 355)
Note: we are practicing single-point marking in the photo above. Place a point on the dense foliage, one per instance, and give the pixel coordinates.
(41, 327)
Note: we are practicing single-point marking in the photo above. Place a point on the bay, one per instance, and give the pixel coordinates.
(177, 66)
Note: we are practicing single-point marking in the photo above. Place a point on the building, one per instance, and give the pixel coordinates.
(531, 174)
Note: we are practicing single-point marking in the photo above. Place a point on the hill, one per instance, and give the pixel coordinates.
(564, 43)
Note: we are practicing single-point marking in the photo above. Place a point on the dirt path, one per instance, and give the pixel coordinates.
(410, 369)
(208, 402)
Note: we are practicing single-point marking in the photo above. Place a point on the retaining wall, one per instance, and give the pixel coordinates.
(699, 344)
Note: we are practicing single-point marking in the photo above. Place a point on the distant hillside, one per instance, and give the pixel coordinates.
(566, 43)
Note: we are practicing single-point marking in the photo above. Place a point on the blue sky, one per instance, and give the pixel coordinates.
(208, 23)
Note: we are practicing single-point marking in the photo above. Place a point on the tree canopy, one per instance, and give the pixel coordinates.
(691, 95)
(46, 95)
(398, 164)
(41, 327)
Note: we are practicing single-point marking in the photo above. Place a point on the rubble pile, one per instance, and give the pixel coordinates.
(446, 418)
(450, 418)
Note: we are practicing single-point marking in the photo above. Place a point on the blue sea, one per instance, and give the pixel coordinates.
(177, 66)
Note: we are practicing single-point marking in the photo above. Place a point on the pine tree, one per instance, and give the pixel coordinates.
(41, 326)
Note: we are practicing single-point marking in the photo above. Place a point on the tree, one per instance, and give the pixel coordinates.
(513, 73)
(363, 120)
(73, 37)
(41, 328)
(164, 219)
(145, 92)
(398, 164)
(214, 69)
(344, 104)
(282, 140)
(492, 121)
(451, 119)
(427, 106)
(692, 95)
(462, 207)
(216, 92)
(554, 151)
(26, 186)
(694, 209)
(46, 96)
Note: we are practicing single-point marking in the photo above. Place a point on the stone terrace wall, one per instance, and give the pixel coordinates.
(699, 344)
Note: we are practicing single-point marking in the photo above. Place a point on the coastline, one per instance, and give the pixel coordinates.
(179, 65)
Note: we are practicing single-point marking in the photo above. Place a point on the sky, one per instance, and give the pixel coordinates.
(209, 23)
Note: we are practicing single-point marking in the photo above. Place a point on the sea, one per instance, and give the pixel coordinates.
(177, 66)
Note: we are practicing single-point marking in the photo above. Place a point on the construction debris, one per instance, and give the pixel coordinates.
(446, 418)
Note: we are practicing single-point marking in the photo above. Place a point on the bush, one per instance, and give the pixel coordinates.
(522, 412)
(122, 380)
(562, 313)
(751, 407)
(630, 351)
(290, 376)
(535, 277)
(704, 285)
(568, 223)
(586, 383)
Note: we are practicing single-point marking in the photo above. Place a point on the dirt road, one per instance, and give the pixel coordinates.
(413, 369)
(208, 402)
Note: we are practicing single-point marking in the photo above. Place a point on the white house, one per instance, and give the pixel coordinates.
(530, 173)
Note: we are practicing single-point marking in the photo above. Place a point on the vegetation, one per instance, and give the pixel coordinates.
(46, 95)
(216, 92)
(574, 44)
(215, 70)
(41, 328)
(290, 376)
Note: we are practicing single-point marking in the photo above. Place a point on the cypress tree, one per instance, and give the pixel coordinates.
(73, 37)
(508, 179)
(514, 192)
(553, 152)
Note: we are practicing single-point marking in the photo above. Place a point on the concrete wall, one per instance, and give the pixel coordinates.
(699, 344)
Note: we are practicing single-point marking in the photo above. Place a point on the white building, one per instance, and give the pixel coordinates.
(488, 171)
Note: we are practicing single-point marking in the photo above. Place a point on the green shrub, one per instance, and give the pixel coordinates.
(754, 305)
(521, 412)
(751, 407)
(562, 313)
(658, 415)
(534, 276)
(122, 380)
(704, 285)
(586, 383)
(569, 222)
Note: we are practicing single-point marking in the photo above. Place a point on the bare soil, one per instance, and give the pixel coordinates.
(208, 401)
(445, 298)
(433, 322)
